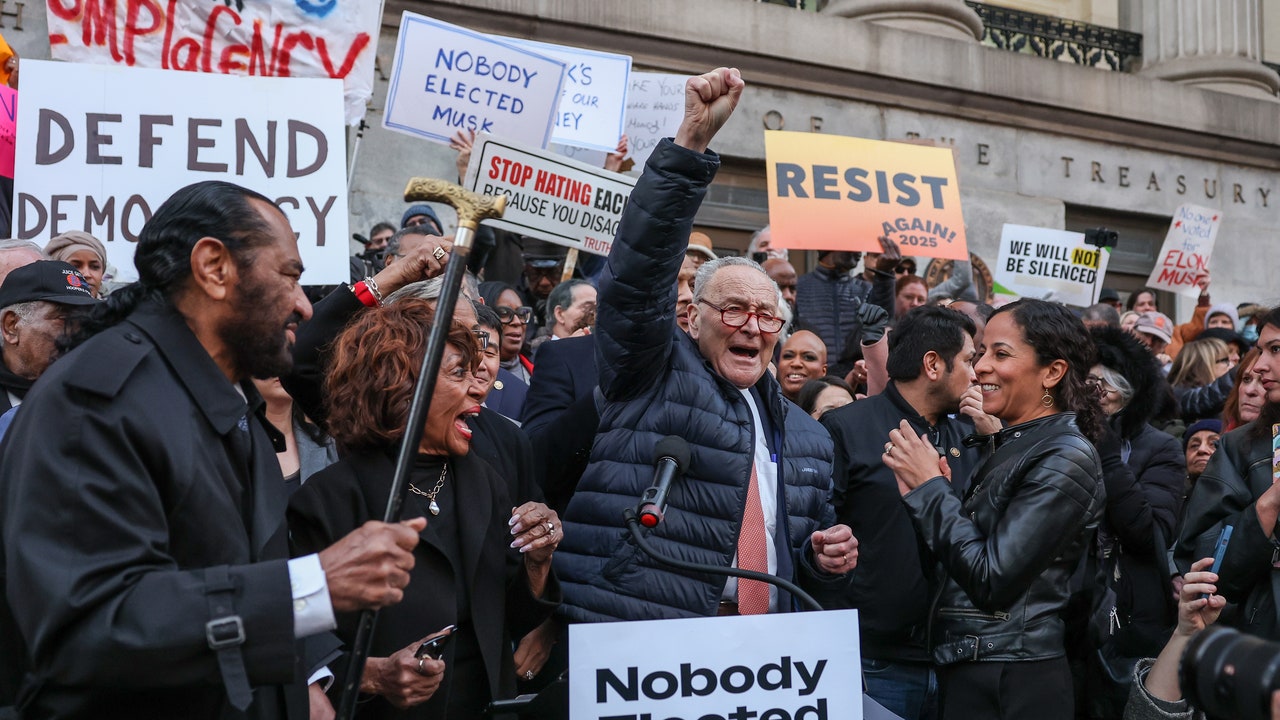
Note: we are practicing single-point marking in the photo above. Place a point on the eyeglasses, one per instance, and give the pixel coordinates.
(482, 336)
(1099, 385)
(508, 315)
(737, 317)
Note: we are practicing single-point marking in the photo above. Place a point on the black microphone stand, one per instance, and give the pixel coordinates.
(633, 524)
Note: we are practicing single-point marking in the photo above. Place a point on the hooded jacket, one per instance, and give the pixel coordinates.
(1144, 473)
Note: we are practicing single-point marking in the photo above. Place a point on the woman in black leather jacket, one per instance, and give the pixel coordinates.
(1007, 551)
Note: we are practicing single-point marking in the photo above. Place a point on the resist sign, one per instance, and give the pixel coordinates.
(1050, 265)
(789, 666)
(447, 78)
(1184, 257)
(550, 196)
(828, 192)
(100, 148)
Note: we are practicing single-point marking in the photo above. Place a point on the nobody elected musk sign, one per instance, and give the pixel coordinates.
(100, 148)
(790, 666)
(548, 195)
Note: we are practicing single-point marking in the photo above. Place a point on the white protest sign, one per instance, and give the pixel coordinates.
(550, 196)
(1184, 257)
(594, 102)
(591, 157)
(655, 107)
(446, 78)
(1049, 264)
(269, 38)
(102, 158)
(788, 666)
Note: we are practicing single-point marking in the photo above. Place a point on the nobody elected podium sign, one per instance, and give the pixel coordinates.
(789, 666)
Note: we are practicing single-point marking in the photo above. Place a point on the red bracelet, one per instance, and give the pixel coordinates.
(362, 294)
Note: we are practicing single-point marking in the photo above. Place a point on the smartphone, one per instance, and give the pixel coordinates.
(1218, 551)
(434, 648)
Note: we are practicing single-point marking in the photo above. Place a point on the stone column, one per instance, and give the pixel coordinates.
(946, 18)
(1213, 44)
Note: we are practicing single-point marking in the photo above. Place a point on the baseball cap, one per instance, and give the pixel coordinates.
(46, 280)
(1108, 295)
(700, 244)
(1157, 324)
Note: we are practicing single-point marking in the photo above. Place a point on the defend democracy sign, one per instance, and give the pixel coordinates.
(655, 107)
(1049, 265)
(550, 196)
(593, 105)
(788, 666)
(828, 192)
(1184, 257)
(100, 147)
(446, 78)
(274, 38)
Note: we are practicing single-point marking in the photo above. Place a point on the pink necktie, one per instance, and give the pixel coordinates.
(753, 595)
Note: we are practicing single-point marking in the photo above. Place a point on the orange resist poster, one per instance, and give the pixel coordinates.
(828, 192)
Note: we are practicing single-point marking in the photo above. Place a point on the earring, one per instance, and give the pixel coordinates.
(1047, 399)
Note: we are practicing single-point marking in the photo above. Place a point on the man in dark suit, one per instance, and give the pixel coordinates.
(144, 540)
(507, 396)
(560, 415)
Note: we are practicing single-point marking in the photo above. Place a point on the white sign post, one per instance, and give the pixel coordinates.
(264, 38)
(1184, 257)
(100, 147)
(446, 78)
(594, 102)
(655, 107)
(1049, 264)
(788, 666)
(550, 196)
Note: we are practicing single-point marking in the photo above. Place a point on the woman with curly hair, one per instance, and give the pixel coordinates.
(484, 564)
(1008, 549)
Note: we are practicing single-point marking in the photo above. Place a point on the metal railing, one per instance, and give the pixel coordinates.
(1057, 38)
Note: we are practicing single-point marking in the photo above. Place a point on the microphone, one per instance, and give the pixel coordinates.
(671, 457)
(360, 239)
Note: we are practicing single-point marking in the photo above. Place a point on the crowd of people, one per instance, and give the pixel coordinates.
(1020, 501)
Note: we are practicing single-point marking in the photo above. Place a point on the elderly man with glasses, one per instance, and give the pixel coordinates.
(756, 490)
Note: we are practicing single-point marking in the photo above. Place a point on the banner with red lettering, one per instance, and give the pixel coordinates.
(550, 196)
(275, 38)
(1184, 257)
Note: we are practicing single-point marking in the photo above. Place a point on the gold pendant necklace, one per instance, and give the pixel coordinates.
(431, 494)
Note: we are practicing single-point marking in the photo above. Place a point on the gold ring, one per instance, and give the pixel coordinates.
(888, 448)
(421, 670)
(438, 253)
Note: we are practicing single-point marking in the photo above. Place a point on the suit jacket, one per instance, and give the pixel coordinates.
(342, 497)
(508, 395)
(560, 415)
(120, 488)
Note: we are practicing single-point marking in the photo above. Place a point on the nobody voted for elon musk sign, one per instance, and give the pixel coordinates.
(828, 192)
(789, 666)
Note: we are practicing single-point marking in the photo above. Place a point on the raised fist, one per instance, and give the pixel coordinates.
(709, 100)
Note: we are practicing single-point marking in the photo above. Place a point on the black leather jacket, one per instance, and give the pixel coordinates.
(1009, 549)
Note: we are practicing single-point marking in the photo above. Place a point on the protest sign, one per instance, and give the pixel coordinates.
(8, 128)
(655, 107)
(550, 196)
(828, 192)
(593, 104)
(447, 78)
(1184, 257)
(788, 666)
(102, 158)
(275, 38)
(1049, 265)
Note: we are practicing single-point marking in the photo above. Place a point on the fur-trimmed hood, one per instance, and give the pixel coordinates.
(1123, 353)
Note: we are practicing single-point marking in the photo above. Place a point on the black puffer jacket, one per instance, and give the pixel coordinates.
(656, 383)
(1009, 549)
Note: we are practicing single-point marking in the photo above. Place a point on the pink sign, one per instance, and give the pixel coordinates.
(8, 128)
